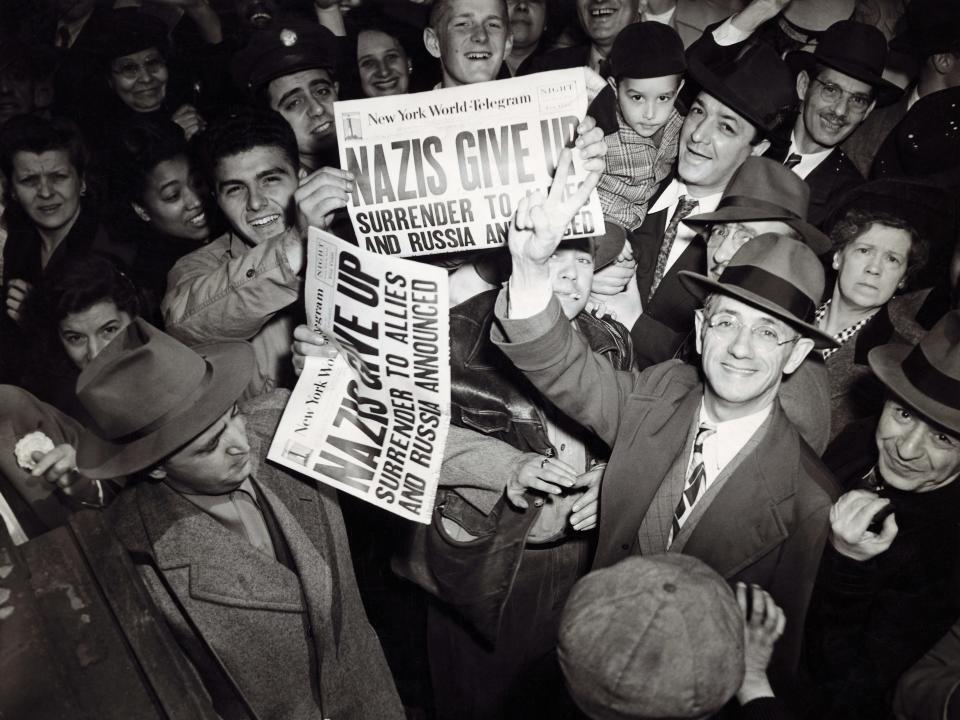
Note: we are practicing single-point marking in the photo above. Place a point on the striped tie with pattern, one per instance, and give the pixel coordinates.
(685, 206)
(696, 482)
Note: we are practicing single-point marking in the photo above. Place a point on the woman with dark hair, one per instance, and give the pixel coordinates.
(48, 218)
(162, 202)
(876, 253)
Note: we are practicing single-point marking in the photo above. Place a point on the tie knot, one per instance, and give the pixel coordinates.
(792, 160)
(686, 206)
(703, 432)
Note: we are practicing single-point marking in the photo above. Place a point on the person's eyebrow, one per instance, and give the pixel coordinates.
(320, 81)
(167, 184)
(289, 94)
(277, 170)
(731, 117)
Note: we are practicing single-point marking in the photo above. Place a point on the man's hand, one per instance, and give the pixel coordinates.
(538, 472)
(757, 13)
(320, 194)
(56, 466)
(583, 514)
(613, 279)
(592, 146)
(539, 223)
(763, 624)
(17, 292)
(850, 518)
(308, 343)
(189, 120)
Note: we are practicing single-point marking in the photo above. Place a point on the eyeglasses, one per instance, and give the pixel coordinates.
(131, 70)
(734, 231)
(766, 336)
(832, 93)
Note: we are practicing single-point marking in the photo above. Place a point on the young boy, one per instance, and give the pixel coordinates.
(646, 68)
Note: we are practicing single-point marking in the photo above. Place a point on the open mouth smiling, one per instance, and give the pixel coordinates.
(478, 55)
(263, 222)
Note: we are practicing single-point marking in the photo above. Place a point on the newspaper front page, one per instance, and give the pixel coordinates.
(442, 171)
(373, 420)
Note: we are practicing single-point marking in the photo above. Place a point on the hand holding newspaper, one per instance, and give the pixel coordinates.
(372, 420)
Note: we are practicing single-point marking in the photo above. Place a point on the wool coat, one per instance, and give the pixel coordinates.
(767, 525)
(296, 642)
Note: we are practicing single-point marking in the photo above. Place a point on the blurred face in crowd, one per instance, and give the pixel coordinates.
(714, 142)
(305, 99)
(603, 20)
(528, 18)
(916, 455)
(571, 277)
(255, 191)
(646, 103)
(871, 267)
(726, 238)
(471, 39)
(172, 201)
(140, 80)
(48, 188)
(255, 14)
(742, 361)
(383, 64)
(215, 462)
(84, 334)
(834, 105)
(17, 89)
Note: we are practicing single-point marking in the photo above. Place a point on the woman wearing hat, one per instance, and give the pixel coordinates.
(887, 584)
(876, 254)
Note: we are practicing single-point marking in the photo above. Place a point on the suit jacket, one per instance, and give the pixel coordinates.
(928, 690)
(568, 57)
(692, 17)
(864, 143)
(767, 525)
(828, 182)
(296, 642)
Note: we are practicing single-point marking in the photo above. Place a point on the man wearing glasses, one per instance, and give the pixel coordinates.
(706, 464)
(839, 84)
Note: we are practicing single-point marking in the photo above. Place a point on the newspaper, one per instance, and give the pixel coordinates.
(373, 420)
(442, 171)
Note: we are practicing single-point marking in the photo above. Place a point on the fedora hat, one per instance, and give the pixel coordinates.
(929, 27)
(855, 49)
(927, 375)
(757, 85)
(149, 395)
(763, 189)
(776, 274)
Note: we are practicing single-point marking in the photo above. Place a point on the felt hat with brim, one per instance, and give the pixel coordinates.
(284, 48)
(125, 31)
(762, 189)
(852, 48)
(773, 273)
(149, 394)
(926, 376)
(757, 85)
(658, 636)
(647, 50)
(929, 27)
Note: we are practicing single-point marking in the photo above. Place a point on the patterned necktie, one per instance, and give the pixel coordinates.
(685, 206)
(696, 482)
(792, 161)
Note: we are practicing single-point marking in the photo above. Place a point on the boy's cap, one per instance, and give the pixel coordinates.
(647, 50)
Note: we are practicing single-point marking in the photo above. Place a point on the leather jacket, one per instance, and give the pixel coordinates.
(474, 556)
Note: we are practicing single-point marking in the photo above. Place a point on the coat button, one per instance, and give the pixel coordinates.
(251, 272)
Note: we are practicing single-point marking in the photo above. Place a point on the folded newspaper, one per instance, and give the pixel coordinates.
(372, 421)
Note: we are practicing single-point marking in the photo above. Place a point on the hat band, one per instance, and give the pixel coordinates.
(743, 201)
(771, 287)
(929, 380)
(182, 405)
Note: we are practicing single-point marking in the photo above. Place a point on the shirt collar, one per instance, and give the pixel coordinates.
(732, 435)
(671, 196)
(208, 502)
(816, 157)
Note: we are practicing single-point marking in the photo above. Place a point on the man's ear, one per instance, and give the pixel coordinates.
(336, 88)
(943, 62)
(699, 324)
(612, 82)
(869, 110)
(836, 260)
(760, 148)
(301, 174)
(509, 44)
(801, 348)
(83, 186)
(157, 473)
(803, 82)
(431, 42)
(140, 212)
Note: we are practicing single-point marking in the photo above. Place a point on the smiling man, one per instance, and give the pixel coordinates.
(248, 564)
(241, 285)
(708, 467)
(887, 589)
(291, 67)
(471, 38)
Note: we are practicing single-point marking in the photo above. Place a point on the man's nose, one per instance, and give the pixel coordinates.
(910, 444)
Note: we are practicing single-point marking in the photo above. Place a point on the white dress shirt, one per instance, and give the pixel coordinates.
(808, 162)
(668, 200)
(723, 445)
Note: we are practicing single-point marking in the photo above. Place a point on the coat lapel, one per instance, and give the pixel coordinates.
(748, 518)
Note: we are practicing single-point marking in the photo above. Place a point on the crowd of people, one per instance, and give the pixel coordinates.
(701, 464)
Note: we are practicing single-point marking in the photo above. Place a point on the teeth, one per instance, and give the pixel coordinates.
(598, 12)
(199, 219)
(259, 222)
(478, 56)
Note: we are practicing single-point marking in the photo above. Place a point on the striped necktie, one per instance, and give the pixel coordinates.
(696, 482)
(685, 206)
(792, 161)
